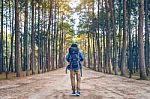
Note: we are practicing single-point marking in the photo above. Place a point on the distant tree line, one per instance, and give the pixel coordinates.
(117, 35)
(32, 34)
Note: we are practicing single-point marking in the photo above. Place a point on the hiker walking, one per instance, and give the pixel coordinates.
(74, 57)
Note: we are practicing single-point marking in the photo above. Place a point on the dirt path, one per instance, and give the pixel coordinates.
(56, 85)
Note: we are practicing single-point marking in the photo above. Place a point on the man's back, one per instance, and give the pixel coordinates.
(74, 57)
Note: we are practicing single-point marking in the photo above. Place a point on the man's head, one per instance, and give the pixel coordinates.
(74, 45)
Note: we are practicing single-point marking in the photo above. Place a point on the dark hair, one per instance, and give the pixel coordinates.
(74, 45)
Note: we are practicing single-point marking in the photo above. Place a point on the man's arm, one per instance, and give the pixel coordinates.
(68, 58)
(81, 56)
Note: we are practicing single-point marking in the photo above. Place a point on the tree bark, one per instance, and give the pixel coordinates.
(45, 39)
(120, 34)
(130, 65)
(98, 42)
(49, 54)
(89, 49)
(114, 37)
(140, 41)
(12, 40)
(104, 39)
(1, 39)
(124, 47)
(39, 40)
(17, 40)
(32, 41)
(26, 50)
(108, 56)
(146, 38)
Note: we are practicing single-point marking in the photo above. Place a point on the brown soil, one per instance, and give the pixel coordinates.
(56, 85)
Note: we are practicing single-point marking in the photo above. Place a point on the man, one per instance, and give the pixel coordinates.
(74, 57)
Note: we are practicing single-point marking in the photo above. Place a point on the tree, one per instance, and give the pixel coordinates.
(12, 40)
(32, 41)
(112, 10)
(124, 47)
(130, 67)
(62, 42)
(108, 44)
(93, 37)
(39, 40)
(98, 41)
(120, 33)
(104, 38)
(44, 35)
(56, 8)
(146, 38)
(17, 40)
(49, 24)
(26, 50)
(114, 36)
(1, 40)
(140, 41)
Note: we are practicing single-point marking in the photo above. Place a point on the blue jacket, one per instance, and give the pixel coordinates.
(81, 57)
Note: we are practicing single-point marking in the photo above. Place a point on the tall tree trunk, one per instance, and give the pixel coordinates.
(98, 41)
(6, 49)
(124, 47)
(120, 34)
(136, 50)
(136, 61)
(21, 38)
(93, 37)
(130, 65)
(60, 46)
(10, 29)
(57, 42)
(8, 69)
(45, 39)
(146, 38)
(52, 42)
(89, 49)
(49, 54)
(12, 40)
(94, 56)
(42, 41)
(54, 34)
(52, 45)
(62, 42)
(32, 41)
(26, 50)
(140, 41)
(108, 58)
(104, 39)
(85, 49)
(39, 39)
(114, 37)
(17, 40)
(1, 39)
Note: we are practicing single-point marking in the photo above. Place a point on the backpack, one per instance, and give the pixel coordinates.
(74, 58)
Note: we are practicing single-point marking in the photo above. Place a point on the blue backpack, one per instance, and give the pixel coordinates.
(74, 58)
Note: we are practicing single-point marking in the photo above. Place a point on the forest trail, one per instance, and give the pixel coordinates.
(56, 85)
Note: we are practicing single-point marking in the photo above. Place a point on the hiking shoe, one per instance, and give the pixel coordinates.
(73, 93)
(77, 93)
